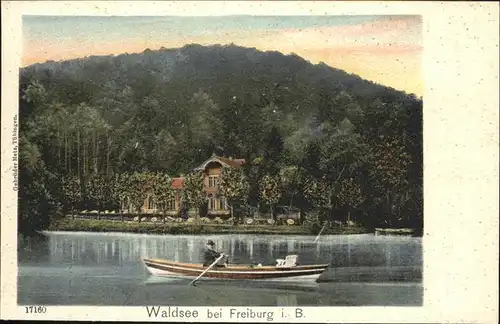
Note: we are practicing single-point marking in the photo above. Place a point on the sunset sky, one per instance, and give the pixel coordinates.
(384, 49)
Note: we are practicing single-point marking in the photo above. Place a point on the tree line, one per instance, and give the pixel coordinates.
(314, 137)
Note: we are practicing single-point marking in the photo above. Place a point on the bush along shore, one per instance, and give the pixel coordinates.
(86, 225)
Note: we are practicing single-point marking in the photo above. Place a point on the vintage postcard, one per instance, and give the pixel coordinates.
(249, 161)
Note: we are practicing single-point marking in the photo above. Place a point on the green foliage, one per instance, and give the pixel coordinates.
(274, 147)
(72, 192)
(233, 185)
(163, 191)
(389, 176)
(98, 190)
(390, 163)
(291, 182)
(317, 192)
(38, 202)
(193, 192)
(37, 205)
(314, 226)
(193, 229)
(165, 111)
(36, 94)
(121, 189)
(270, 190)
(138, 190)
(350, 194)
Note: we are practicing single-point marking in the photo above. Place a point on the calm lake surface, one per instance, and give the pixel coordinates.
(105, 269)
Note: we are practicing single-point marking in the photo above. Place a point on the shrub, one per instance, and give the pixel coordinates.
(175, 230)
(196, 229)
(311, 217)
(314, 227)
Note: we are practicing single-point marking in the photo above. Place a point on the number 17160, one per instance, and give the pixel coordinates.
(36, 309)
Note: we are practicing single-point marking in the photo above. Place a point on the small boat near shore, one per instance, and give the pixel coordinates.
(284, 270)
(394, 231)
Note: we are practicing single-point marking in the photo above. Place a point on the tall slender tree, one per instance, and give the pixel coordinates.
(233, 187)
(163, 193)
(194, 193)
(72, 193)
(270, 191)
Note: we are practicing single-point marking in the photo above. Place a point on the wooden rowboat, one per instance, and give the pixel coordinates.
(283, 271)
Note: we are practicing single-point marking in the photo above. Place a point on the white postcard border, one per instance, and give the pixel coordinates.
(460, 69)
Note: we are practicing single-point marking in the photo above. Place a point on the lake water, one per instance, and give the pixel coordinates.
(106, 269)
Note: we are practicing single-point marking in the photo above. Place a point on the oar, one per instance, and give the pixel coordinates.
(317, 237)
(210, 267)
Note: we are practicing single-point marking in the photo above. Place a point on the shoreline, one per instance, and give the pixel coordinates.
(85, 225)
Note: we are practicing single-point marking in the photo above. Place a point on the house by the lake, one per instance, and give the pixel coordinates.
(212, 170)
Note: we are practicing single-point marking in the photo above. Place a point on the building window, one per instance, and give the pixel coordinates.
(213, 180)
(211, 203)
(223, 203)
(216, 203)
(151, 203)
(170, 205)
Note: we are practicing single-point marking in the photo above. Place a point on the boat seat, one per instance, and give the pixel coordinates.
(288, 262)
(280, 262)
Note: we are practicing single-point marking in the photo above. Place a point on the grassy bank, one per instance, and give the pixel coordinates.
(85, 225)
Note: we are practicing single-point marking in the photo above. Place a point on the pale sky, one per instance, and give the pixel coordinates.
(384, 49)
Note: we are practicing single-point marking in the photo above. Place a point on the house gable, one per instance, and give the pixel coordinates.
(222, 161)
(212, 166)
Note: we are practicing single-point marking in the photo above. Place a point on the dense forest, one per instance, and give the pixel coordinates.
(326, 139)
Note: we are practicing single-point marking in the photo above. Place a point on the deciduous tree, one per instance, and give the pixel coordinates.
(121, 191)
(163, 193)
(389, 175)
(270, 191)
(193, 192)
(72, 192)
(233, 186)
(350, 195)
(291, 182)
(137, 193)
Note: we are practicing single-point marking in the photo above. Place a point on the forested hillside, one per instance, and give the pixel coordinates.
(332, 138)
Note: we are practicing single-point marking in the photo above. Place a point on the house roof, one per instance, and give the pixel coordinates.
(235, 163)
(227, 162)
(177, 183)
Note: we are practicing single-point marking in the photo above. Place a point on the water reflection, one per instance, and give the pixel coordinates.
(286, 300)
(106, 269)
(341, 251)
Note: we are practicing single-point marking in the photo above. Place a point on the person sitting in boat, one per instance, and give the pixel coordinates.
(210, 255)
